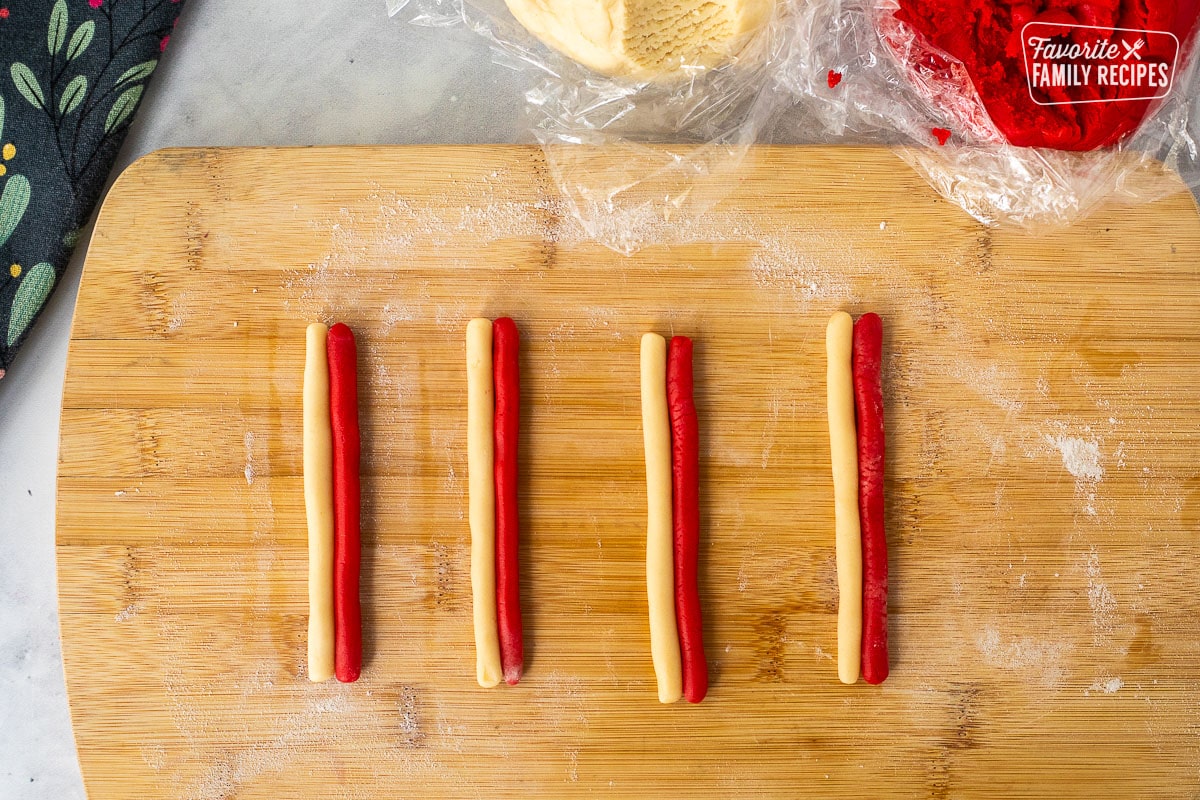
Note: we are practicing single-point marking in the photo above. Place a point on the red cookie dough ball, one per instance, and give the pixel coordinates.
(985, 37)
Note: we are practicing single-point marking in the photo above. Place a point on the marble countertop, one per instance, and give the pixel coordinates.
(267, 72)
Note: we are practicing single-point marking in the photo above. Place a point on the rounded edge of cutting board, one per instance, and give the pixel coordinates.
(964, 714)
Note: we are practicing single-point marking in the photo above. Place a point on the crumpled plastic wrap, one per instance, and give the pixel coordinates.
(628, 153)
(863, 73)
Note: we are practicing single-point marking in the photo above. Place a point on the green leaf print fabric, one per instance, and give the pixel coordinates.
(72, 73)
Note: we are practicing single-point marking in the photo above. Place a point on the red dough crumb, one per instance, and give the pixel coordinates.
(942, 135)
(834, 78)
(986, 37)
(343, 418)
(506, 343)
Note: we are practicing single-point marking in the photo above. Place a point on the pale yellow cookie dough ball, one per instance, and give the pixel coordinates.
(645, 39)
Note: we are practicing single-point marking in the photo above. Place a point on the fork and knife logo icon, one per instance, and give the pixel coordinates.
(1133, 49)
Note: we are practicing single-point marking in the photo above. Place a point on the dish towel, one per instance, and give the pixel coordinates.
(72, 74)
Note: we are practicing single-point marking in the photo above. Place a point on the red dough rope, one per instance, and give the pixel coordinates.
(868, 404)
(343, 417)
(506, 343)
(685, 469)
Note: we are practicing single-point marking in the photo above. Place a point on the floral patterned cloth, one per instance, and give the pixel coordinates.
(72, 73)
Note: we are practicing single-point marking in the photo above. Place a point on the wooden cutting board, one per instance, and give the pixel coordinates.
(1044, 495)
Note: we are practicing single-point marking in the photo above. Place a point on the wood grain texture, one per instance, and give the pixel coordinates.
(1045, 625)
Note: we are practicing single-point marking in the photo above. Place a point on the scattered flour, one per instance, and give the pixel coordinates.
(1100, 600)
(769, 429)
(1000, 385)
(451, 318)
(394, 314)
(1105, 685)
(128, 612)
(602, 318)
(1039, 658)
(777, 265)
(410, 723)
(1081, 458)
(248, 440)
(155, 756)
(743, 582)
(180, 306)
(225, 778)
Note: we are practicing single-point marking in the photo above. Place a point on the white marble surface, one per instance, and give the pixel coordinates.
(238, 73)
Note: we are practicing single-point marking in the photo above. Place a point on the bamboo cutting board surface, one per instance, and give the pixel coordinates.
(1043, 492)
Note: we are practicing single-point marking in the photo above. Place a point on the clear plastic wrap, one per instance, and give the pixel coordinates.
(863, 70)
(630, 151)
